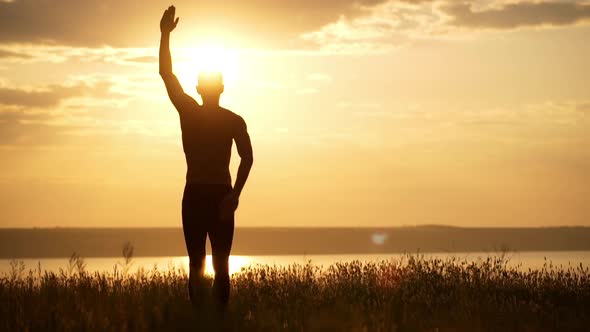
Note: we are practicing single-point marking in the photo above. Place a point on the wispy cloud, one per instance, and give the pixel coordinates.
(511, 15)
(6, 54)
(584, 107)
(319, 77)
(53, 95)
(307, 91)
(48, 96)
(27, 53)
(126, 32)
(549, 114)
(39, 115)
(386, 26)
(95, 23)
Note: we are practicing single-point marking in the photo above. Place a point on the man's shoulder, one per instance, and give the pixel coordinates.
(232, 115)
(189, 107)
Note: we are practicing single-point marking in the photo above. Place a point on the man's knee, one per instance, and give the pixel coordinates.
(221, 266)
(197, 264)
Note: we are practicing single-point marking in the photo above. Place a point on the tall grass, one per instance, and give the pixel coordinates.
(411, 294)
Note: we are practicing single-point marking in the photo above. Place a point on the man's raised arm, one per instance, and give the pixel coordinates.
(173, 87)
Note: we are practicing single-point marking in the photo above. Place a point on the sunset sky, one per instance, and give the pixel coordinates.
(361, 113)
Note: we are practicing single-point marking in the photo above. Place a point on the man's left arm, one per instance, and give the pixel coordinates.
(244, 147)
(246, 156)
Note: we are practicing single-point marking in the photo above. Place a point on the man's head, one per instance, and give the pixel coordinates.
(210, 87)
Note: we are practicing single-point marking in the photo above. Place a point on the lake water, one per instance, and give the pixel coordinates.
(526, 260)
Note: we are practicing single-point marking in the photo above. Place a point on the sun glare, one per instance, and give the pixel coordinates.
(206, 58)
(236, 263)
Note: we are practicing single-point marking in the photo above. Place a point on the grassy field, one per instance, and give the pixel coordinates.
(413, 294)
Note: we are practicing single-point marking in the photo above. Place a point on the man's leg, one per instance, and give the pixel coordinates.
(221, 235)
(195, 236)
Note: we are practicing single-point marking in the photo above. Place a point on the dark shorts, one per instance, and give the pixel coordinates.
(201, 218)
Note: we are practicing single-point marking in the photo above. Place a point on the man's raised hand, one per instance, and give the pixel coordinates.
(168, 23)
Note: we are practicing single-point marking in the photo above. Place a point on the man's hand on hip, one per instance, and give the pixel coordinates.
(228, 206)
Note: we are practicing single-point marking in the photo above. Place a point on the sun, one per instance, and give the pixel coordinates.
(210, 58)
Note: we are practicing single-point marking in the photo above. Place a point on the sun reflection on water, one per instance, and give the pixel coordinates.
(524, 260)
(236, 263)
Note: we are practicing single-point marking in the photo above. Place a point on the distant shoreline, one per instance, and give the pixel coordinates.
(107, 242)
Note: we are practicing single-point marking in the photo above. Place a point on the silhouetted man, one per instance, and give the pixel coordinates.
(208, 202)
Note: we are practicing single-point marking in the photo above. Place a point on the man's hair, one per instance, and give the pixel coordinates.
(210, 78)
